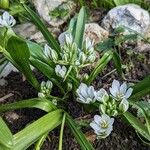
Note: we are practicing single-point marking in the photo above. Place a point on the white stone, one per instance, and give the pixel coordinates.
(131, 16)
(44, 7)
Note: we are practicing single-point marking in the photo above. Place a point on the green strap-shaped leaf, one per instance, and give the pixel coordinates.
(39, 103)
(137, 125)
(145, 108)
(19, 52)
(117, 62)
(80, 26)
(100, 65)
(6, 137)
(40, 142)
(30, 134)
(48, 36)
(80, 137)
(141, 89)
(72, 26)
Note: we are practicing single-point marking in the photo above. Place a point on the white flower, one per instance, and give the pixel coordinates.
(123, 106)
(102, 125)
(49, 52)
(120, 92)
(60, 71)
(85, 94)
(6, 20)
(102, 95)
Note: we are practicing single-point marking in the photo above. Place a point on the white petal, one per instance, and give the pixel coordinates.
(105, 117)
(83, 91)
(115, 84)
(91, 92)
(111, 121)
(123, 88)
(128, 93)
(97, 119)
(94, 126)
(113, 92)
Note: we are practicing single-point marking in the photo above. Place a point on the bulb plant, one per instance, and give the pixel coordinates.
(62, 63)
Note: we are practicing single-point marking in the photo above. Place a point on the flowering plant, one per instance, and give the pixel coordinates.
(62, 64)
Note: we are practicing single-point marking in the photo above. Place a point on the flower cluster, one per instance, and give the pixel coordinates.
(6, 20)
(45, 89)
(70, 53)
(87, 54)
(112, 104)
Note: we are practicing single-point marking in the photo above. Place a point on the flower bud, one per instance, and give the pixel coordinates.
(91, 58)
(86, 76)
(54, 101)
(114, 113)
(60, 71)
(41, 95)
(51, 53)
(82, 57)
(102, 108)
(123, 106)
(49, 84)
(69, 86)
(108, 111)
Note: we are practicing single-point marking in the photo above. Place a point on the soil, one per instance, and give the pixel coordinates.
(123, 136)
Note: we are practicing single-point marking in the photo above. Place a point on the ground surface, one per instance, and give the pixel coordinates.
(123, 136)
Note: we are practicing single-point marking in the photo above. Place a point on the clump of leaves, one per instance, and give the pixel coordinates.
(61, 64)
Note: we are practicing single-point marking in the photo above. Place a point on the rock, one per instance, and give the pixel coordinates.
(51, 10)
(92, 30)
(131, 16)
(25, 30)
(96, 15)
(7, 69)
(29, 31)
(11, 116)
(142, 47)
(38, 37)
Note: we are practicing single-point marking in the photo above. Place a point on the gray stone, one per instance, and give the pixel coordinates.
(25, 30)
(44, 7)
(29, 31)
(131, 16)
